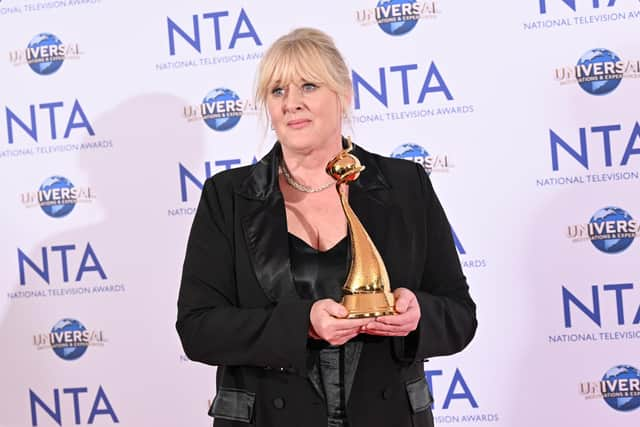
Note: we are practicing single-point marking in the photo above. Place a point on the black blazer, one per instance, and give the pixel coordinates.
(238, 308)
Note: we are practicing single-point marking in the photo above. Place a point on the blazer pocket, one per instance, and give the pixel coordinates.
(419, 396)
(233, 404)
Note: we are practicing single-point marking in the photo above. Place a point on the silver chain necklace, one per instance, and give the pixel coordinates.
(301, 187)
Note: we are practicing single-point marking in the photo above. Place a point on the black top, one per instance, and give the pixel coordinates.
(319, 275)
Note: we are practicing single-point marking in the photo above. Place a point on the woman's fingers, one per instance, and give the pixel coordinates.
(328, 323)
(328, 320)
(401, 324)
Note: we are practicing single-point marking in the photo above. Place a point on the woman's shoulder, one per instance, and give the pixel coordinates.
(228, 181)
(231, 176)
(392, 168)
(256, 180)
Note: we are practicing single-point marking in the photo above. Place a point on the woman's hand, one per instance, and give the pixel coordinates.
(403, 322)
(328, 322)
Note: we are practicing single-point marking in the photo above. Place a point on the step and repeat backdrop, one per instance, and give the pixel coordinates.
(525, 115)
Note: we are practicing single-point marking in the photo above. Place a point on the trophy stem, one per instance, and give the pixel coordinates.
(367, 292)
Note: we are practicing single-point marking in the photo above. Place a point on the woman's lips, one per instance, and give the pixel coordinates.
(298, 123)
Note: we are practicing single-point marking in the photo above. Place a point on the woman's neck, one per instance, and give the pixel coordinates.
(308, 166)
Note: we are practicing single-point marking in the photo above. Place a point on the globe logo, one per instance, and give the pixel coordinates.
(414, 153)
(604, 229)
(620, 386)
(220, 109)
(395, 25)
(41, 64)
(592, 81)
(56, 197)
(68, 340)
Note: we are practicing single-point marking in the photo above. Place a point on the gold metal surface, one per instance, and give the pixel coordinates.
(367, 292)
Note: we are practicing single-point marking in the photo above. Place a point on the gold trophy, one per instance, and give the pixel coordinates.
(367, 292)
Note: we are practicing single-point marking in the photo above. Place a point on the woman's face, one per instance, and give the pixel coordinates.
(305, 115)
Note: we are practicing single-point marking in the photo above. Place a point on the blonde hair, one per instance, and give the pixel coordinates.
(307, 54)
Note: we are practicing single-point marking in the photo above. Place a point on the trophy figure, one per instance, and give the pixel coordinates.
(366, 292)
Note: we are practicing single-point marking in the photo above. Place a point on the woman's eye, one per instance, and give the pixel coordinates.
(277, 91)
(309, 87)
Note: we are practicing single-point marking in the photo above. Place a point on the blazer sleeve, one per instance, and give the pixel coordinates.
(213, 327)
(448, 314)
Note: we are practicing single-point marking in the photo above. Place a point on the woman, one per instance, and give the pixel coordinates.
(269, 251)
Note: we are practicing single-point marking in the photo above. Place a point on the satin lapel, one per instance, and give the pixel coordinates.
(352, 351)
(265, 231)
(313, 374)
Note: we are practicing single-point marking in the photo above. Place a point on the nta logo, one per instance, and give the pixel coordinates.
(592, 309)
(75, 119)
(89, 263)
(100, 406)
(571, 4)
(590, 139)
(431, 83)
(243, 29)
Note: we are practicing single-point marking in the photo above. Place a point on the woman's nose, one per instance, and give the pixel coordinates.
(293, 99)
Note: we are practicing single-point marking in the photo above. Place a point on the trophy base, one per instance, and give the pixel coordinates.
(363, 305)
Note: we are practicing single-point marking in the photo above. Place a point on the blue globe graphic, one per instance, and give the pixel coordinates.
(57, 210)
(599, 87)
(45, 67)
(622, 372)
(221, 123)
(412, 152)
(74, 349)
(607, 214)
(401, 27)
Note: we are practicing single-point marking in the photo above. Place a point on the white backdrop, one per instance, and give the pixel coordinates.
(480, 89)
